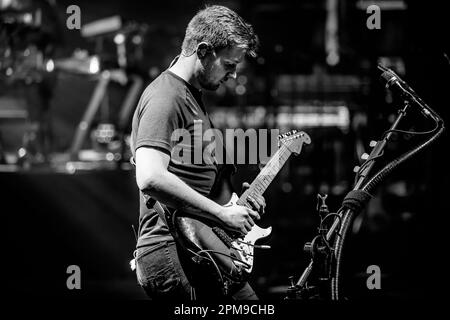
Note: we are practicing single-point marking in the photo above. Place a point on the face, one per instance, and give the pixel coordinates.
(218, 67)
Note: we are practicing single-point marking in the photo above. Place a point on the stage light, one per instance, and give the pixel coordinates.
(50, 66)
(94, 65)
(240, 90)
(119, 38)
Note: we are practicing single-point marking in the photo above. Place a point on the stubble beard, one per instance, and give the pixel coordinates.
(204, 81)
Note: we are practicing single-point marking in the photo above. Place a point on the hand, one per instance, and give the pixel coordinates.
(239, 218)
(256, 201)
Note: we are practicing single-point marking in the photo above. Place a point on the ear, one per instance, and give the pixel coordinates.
(202, 49)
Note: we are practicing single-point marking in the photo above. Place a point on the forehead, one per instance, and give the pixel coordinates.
(234, 54)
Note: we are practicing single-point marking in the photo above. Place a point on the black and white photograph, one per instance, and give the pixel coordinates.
(220, 159)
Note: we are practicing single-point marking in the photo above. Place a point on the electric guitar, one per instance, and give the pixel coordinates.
(207, 240)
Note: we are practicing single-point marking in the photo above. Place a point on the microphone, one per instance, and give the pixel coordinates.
(395, 83)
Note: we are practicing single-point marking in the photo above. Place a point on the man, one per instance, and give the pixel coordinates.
(216, 41)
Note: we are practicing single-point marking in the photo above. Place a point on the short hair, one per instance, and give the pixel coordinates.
(221, 28)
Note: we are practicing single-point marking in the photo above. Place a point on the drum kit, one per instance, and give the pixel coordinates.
(26, 60)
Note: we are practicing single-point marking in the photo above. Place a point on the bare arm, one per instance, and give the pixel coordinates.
(154, 179)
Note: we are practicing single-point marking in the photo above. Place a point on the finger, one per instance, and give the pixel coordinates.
(251, 222)
(247, 225)
(254, 203)
(259, 200)
(253, 214)
(245, 186)
(262, 201)
(262, 204)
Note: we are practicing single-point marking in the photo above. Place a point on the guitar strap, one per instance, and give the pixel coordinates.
(162, 214)
(165, 216)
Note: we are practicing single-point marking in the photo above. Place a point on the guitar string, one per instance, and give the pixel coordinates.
(266, 171)
(283, 155)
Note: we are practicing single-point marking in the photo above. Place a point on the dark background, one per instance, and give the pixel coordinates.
(56, 219)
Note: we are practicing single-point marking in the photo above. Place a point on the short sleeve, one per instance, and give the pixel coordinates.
(157, 120)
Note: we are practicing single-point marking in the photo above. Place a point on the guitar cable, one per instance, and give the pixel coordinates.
(226, 255)
(256, 246)
(369, 187)
(416, 133)
(211, 259)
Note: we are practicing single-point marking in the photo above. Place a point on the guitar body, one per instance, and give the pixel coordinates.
(234, 256)
(205, 238)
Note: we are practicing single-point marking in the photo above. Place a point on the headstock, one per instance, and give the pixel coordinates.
(294, 140)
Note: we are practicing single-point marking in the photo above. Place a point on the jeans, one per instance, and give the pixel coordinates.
(165, 273)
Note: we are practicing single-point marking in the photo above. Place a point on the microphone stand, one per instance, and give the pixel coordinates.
(323, 256)
(324, 267)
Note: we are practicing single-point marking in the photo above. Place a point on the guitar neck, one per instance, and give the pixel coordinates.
(267, 174)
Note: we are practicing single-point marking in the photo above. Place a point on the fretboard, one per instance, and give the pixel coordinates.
(267, 174)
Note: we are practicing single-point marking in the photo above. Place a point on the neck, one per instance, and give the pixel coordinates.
(185, 69)
(267, 174)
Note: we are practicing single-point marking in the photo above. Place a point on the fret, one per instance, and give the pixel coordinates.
(268, 173)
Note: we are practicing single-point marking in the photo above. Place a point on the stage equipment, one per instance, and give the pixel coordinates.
(322, 278)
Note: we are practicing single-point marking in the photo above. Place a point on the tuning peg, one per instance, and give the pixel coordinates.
(365, 156)
(356, 169)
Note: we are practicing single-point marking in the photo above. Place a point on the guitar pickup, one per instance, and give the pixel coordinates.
(243, 251)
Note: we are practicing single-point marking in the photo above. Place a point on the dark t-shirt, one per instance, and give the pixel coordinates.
(167, 104)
